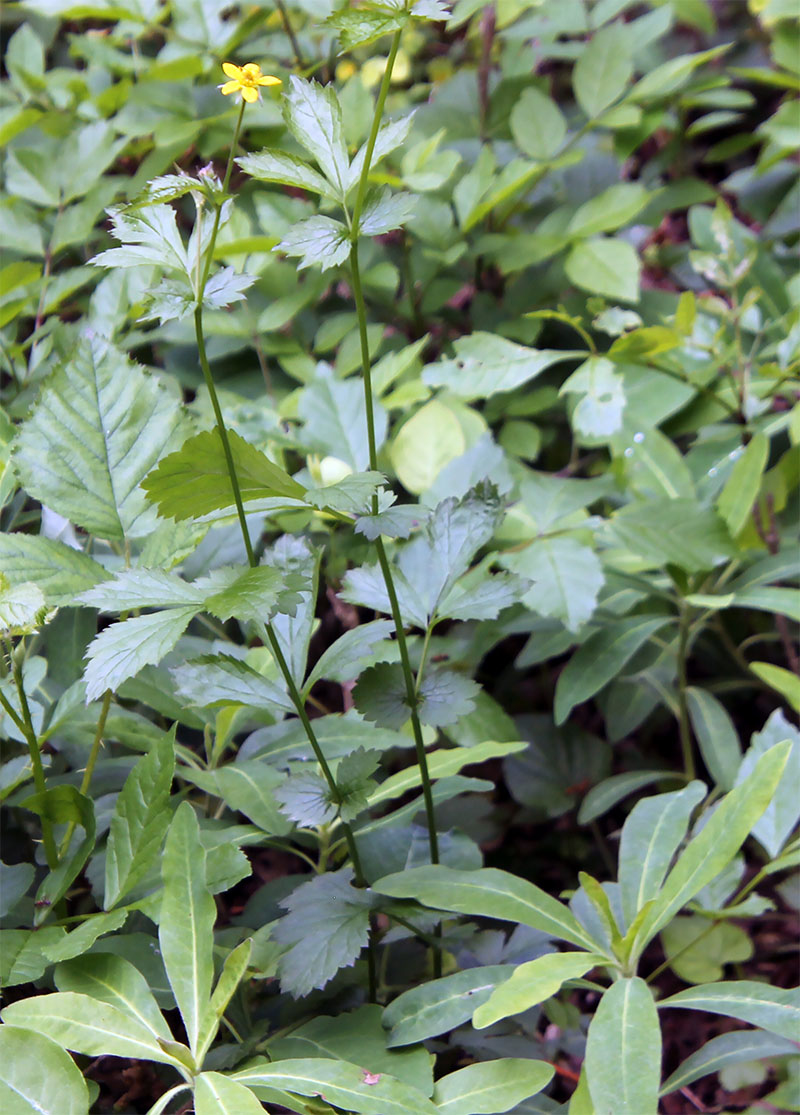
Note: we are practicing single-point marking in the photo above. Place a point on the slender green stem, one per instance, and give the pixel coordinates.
(25, 725)
(86, 781)
(218, 208)
(287, 26)
(684, 625)
(361, 312)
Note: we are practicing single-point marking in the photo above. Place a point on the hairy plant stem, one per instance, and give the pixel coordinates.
(269, 631)
(86, 781)
(25, 726)
(412, 697)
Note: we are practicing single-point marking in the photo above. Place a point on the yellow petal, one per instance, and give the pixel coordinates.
(231, 70)
(229, 87)
(249, 93)
(265, 79)
(252, 68)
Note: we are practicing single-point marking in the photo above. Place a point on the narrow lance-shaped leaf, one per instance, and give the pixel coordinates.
(37, 1077)
(215, 1094)
(440, 1005)
(532, 983)
(623, 1050)
(112, 979)
(139, 823)
(491, 1086)
(776, 1009)
(187, 921)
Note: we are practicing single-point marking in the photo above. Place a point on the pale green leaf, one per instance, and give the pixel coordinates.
(491, 1086)
(532, 983)
(486, 893)
(537, 124)
(677, 531)
(728, 1049)
(623, 1050)
(779, 819)
(442, 764)
(438, 1006)
(603, 70)
(775, 1009)
(285, 169)
(187, 921)
(315, 120)
(609, 210)
(59, 571)
(37, 1077)
(735, 503)
(113, 980)
(316, 241)
(607, 266)
(485, 364)
(120, 651)
(215, 1094)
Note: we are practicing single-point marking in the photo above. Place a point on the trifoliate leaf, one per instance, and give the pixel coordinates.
(315, 119)
(326, 928)
(319, 241)
(444, 696)
(149, 235)
(287, 170)
(216, 680)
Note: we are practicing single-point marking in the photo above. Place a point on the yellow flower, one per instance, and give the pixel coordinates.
(246, 80)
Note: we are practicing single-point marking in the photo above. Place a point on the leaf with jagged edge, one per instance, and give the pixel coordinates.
(99, 427)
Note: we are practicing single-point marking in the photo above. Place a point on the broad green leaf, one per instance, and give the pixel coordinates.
(652, 833)
(442, 764)
(439, 1005)
(717, 738)
(600, 659)
(727, 1049)
(326, 928)
(672, 74)
(113, 980)
(611, 790)
(187, 919)
(386, 211)
(537, 124)
(652, 466)
(247, 786)
(778, 820)
(698, 952)
(316, 241)
(100, 425)
(775, 1009)
(120, 651)
(485, 364)
(22, 957)
(424, 444)
(486, 893)
(443, 696)
(532, 983)
(335, 417)
(716, 844)
(598, 413)
(491, 1086)
(352, 652)
(567, 577)
(148, 235)
(215, 1094)
(603, 70)
(336, 1037)
(623, 1050)
(315, 119)
(218, 680)
(84, 1025)
(139, 822)
(287, 170)
(143, 588)
(676, 531)
(736, 499)
(59, 571)
(37, 1077)
(194, 480)
(607, 266)
(609, 210)
(343, 1084)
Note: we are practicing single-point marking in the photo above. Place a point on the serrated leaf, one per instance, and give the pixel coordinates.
(566, 578)
(186, 925)
(351, 495)
(248, 786)
(334, 413)
(23, 608)
(100, 425)
(444, 696)
(396, 522)
(319, 241)
(361, 26)
(386, 211)
(194, 480)
(352, 652)
(139, 822)
(120, 652)
(37, 1076)
(149, 235)
(57, 569)
(252, 594)
(278, 166)
(315, 120)
(326, 928)
(306, 799)
(215, 680)
(391, 135)
(353, 782)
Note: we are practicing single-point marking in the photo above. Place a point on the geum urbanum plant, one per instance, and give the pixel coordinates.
(323, 811)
